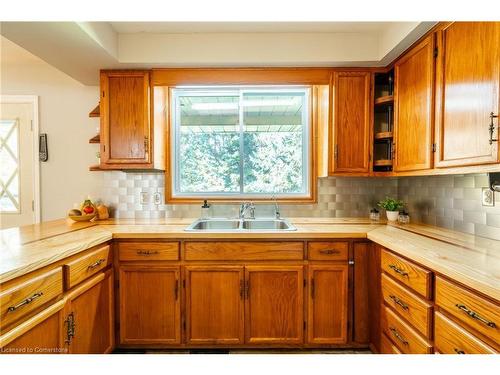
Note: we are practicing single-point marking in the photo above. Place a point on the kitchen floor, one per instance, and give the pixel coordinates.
(245, 351)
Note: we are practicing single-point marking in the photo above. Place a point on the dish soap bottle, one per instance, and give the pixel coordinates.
(205, 210)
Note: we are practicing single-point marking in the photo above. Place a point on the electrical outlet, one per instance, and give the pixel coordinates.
(144, 197)
(488, 197)
(157, 198)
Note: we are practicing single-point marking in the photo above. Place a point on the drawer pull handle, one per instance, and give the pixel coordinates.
(397, 335)
(146, 252)
(25, 302)
(96, 264)
(458, 351)
(399, 302)
(329, 252)
(475, 315)
(398, 270)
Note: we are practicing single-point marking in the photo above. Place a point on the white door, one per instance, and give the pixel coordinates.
(18, 182)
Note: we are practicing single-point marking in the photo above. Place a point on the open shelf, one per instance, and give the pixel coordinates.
(96, 112)
(95, 139)
(384, 100)
(383, 135)
(382, 163)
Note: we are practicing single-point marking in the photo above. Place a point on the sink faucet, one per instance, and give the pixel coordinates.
(247, 206)
(277, 214)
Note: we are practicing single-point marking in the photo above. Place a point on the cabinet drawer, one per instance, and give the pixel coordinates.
(244, 251)
(450, 338)
(403, 335)
(387, 347)
(328, 251)
(140, 251)
(83, 267)
(475, 311)
(413, 276)
(413, 308)
(19, 300)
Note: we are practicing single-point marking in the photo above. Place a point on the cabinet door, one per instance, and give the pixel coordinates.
(414, 76)
(125, 119)
(468, 79)
(149, 304)
(351, 123)
(214, 304)
(327, 304)
(91, 306)
(44, 333)
(274, 304)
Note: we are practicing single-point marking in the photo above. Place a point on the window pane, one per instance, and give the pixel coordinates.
(9, 162)
(273, 142)
(208, 159)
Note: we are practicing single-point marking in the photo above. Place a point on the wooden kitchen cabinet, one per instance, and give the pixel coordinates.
(44, 333)
(467, 91)
(327, 304)
(126, 128)
(274, 305)
(149, 304)
(214, 304)
(91, 311)
(350, 136)
(414, 77)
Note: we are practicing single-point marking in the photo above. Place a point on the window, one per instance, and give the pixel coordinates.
(241, 142)
(9, 160)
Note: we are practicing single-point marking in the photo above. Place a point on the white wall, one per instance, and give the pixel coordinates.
(64, 105)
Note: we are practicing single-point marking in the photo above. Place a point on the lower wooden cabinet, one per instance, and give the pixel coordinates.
(214, 304)
(327, 304)
(149, 304)
(91, 314)
(274, 305)
(44, 333)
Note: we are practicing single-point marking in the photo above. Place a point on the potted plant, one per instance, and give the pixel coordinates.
(391, 207)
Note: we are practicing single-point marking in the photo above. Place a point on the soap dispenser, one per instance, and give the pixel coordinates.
(205, 210)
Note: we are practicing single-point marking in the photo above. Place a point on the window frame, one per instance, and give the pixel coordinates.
(308, 155)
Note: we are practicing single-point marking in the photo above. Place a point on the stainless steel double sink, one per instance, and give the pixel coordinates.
(240, 225)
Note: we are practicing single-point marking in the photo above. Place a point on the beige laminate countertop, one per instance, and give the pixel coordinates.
(471, 260)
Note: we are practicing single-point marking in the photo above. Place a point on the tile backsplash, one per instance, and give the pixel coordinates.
(452, 202)
(337, 197)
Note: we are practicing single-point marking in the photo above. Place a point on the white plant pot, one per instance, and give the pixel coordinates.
(392, 215)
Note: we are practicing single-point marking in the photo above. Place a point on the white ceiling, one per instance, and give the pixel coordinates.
(81, 49)
(248, 27)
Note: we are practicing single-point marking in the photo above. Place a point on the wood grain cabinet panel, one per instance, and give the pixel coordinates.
(387, 347)
(23, 298)
(413, 276)
(274, 305)
(148, 251)
(85, 266)
(44, 333)
(91, 310)
(411, 307)
(467, 91)
(469, 308)
(406, 339)
(331, 250)
(327, 304)
(125, 119)
(450, 338)
(149, 304)
(214, 305)
(414, 77)
(351, 123)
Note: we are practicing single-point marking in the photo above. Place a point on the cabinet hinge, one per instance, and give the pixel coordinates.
(32, 205)
(305, 325)
(184, 283)
(435, 52)
(434, 146)
(336, 152)
(103, 94)
(305, 283)
(184, 325)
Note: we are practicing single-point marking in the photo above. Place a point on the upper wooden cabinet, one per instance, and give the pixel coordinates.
(414, 77)
(467, 86)
(350, 138)
(128, 108)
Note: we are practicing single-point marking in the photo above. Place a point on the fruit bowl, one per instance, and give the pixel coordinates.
(82, 217)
